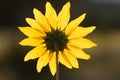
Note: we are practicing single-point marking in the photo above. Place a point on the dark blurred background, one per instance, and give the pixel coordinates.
(104, 63)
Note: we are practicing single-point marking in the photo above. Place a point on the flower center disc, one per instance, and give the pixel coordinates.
(55, 39)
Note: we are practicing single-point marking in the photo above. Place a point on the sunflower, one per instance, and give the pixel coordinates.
(53, 36)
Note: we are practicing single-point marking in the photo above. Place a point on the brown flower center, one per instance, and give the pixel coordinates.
(55, 39)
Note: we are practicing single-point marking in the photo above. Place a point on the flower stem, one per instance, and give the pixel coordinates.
(57, 65)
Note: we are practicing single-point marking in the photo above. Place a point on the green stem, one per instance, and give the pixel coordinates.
(57, 65)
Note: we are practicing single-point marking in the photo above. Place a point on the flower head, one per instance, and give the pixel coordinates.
(49, 32)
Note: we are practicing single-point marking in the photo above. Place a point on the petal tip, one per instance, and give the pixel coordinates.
(27, 19)
(38, 69)
(77, 66)
(95, 45)
(48, 3)
(25, 59)
(84, 14)
(20, 43)
(93, 27)
(88, 57)
(53, 73)
(67, 5)
(20, 28)
(35, 11)
(70, 67)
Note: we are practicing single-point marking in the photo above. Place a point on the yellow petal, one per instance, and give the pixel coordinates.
(64, 16)
(51, 15)
(64, 60)
(35, 53)
(30, 32)
(79, 53)
(42, 20)
(43, 61)
(82, 43)
(52, 63)
(81, 32)
(31, 42)
(71, 58)
(33, 23)
(74, 24)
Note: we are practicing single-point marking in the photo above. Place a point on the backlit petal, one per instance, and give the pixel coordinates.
(52, 63)
(64, 16)
(64, 60)
(82, 43)
(79, 53)
(30, 32)
(51, 15)
(81, 32)
(42, 20)
(35, 53)
(43, 61)
(74, 24)
(71, 58)
(31, 42)
(33, 23)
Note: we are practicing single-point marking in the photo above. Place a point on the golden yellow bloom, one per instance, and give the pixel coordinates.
(50, 32)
